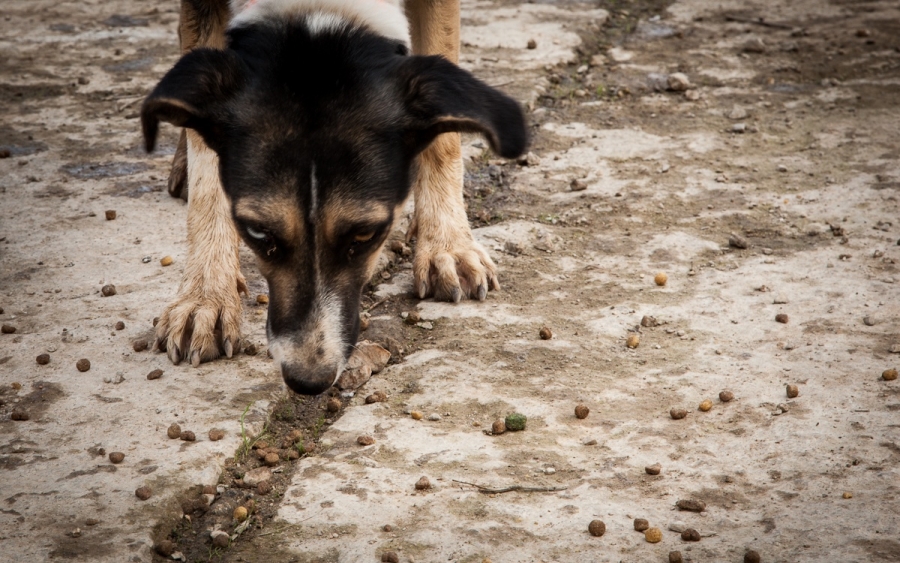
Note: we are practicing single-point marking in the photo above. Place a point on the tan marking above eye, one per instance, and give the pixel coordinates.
(364, 237)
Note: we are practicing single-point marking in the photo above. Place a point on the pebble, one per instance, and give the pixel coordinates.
(532, 44)
(869, 320)
(365, 440)
(387, 528)
(889, 374)
(754, 45)
(545, 333)
(155, 374)
(390, 557)
(691, 505)
(174, 431)
(792, 391)
(19, 414)
(677, 526)
(649, 322)
(739, 128)
(423, 483)
(120, 325)
(641, 524)
(737, 241)
(256, 476)
(166, 261)
(43, 359)
(549, 470)
(582, 412)
(675, 557)
(108, 290)
(110, 214)
(143, 493)
(654, 469)
(434, 417)
(499, 427)
(653, 535)
(660, 279)
(8, 329)
(220, 539)
(187, 436)
(705, 405)
(726, 396)
(780, 299)
(376, 397)
(737, 113)
(165, 548)
(677, 414)
(240, 513)
(781, 318)
(678, 82)
(577, 185)
(597, 528)
(529, 159)
(116, 457)
(264, 487)
(690, 534)
(751, 557)
(633, 341)
(83, 364)
(215, 435)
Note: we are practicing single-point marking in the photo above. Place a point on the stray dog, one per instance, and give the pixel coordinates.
(306, 125)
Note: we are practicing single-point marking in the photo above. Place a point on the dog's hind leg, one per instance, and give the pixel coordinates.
(449, 263)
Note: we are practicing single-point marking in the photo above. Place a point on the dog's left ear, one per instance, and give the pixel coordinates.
(440, 98)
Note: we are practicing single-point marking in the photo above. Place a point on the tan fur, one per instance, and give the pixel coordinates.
(278, 212)
(449, 263)
(339, 213)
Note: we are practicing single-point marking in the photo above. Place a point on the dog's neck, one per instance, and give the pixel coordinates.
(385, 17)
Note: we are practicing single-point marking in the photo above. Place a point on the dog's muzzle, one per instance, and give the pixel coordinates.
(308, 381)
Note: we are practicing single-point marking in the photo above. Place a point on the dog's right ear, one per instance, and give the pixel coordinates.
(194, 94)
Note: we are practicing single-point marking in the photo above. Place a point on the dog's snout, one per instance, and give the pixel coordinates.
(307, 380)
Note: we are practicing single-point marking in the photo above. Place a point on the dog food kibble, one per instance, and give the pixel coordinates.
(632, 341)
(691, 505)
(18, 414)
(887, 375)
(43, 359)
(423, 483)
(333, 405)
(108, 290)
(262, 299)
(675, 557)
(847, 495)
(705, 405)
(120, 325)
(215, 435)
(661, 279)
(641, 524)
(581, 411)
(365, 440)
(83, 364)
(221, 539)
(309, 447)
(416, 415)
(792, 391)
(597, 528)
(515, 422)
(264, 487)
(653, 469)
(390, 557)
(387, 528)
(653, 535)
(240, 513)
(165, 548)
(251, 350)
(677, 414)
(781, 318)
(110, 214)
(166, 261)
(187, 436)
(116, 457)
(499, 427)
(532, 44)
(174, 432)
(690, 534)
(8, 329)
(413, 317)
(376, 397)
(16, 385)
(272, 459)
(726, 396)
(751, 557)
(140, 345)
(155, 374)
(143, 493)
(545, 333)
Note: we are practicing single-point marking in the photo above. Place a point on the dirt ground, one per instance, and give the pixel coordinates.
(769, 186)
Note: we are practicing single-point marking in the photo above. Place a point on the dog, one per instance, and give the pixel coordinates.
(306, 125)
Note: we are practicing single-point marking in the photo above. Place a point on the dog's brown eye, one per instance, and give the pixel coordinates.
(364, 237)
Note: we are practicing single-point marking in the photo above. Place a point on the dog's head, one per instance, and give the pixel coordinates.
(317, 135)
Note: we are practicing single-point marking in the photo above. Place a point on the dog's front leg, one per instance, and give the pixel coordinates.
(204, 320)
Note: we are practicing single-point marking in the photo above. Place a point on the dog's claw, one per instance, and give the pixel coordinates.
(423, 290)
(482, 292)
(195, 358)
(229, 350)
(455, 294)
(174, 355)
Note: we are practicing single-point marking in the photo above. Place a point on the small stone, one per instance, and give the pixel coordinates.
(387, 528)
(434, 417)
(413, 317)
(272, 459)
(423, 483)
(677, 526)
(653, 535)
(739, 128)
(165, 548)
(737, 113)
(889, 374)
(781, 318)
(110, 214)
(120, 325)
(633, 341)
(8, 329)
(140, 345)
(675, 557)
(649, 322)
(264, 487)
(220, 539)
(597, 528)
(847, 495)
(499, 427)
(108, 290)
(215, 435)
(240, 513)
(678, 82)
(705, 405)
(333, 405)
(262, 299)
(83, 364)
(143, 493)
(792, 391)
(43, 359)
(187, 436)
(677, 414)
(390, 557)
(754, 45)
(641, 524)
(582, 412)
(116, 457)
(166, 261)
(376, 397)
(532, 44)
(780, 299)
(251, 350)
(19, 414)
(256, 476)
(751, 557)
(515, 422)
(690, 535)
(174, 431)
(726, 396)
(691, 505)
(737, 241)
(529, 159)
(577, 185)
(654, 469)
(416, 415)
(365, 440)
(155, 374)
(545, 333)
(660, 279)
(692, 95)
(869, 320)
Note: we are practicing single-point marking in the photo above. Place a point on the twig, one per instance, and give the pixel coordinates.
(520, 488)
(758, 21)
(376, 305)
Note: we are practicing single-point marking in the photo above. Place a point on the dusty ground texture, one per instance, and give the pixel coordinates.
(786, 138)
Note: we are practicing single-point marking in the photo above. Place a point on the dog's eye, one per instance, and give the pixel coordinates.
(363, 237)
(258, 235)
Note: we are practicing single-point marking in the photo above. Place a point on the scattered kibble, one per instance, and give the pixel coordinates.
(597, 528)
(155, 374)
(83, 364)
(423, 483)
(887, 375)
(690, 534)
(215, 435)
(264, 487)
(726, 396)
(108, 290)
(309, 447)
(143, 493)
(641, 524)
(545, 333)
(751, 557)
(691, 505)
(376, 397)
(532, 44)
(387, 528)
(499, 427)
(262, 299)
(8, 329)
(120, 325)
(165, 548)
(677, 414)
(187, 436)
(365, 440)
(515, 422)
(116, 457)
(272, 459)
(675, 557)
(333, 405)
(110, 214)
(174, 431)
(705, 405)
(220, 539)
(792, 391)
(661, 279)
(653, 535)
(251, 350)
(416, 415)
(632, 341)
(413, 317)
(781, 318)
(19, 414)
(581, 411)
(166, 261)
(390, 557)
(295, 435)
(241, 513)
(847, 495)
(43, 359)
(140, 345)
(654, 469)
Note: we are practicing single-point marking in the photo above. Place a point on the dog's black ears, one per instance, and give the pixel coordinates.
(442, 98)
(194, 94)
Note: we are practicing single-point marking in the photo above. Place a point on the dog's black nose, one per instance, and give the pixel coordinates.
(307, 381)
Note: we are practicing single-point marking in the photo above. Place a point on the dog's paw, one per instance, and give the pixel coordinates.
(453, 267)
(202, 323)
